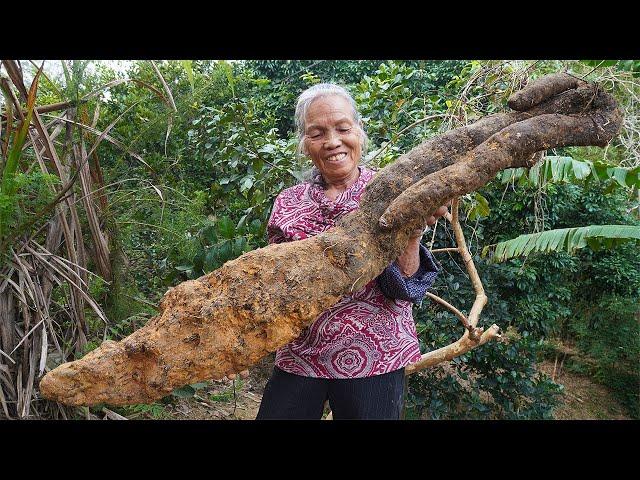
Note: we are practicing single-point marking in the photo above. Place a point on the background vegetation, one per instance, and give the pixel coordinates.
(201, 148)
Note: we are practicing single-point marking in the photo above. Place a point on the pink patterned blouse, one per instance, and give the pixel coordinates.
(370, 332)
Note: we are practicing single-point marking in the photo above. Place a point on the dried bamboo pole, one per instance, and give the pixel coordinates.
(100, 243)
(52, 107)
(25, 292)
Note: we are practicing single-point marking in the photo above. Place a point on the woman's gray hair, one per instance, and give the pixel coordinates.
(315, 92)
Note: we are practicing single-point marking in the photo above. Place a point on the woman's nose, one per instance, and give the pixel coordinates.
(332, 141)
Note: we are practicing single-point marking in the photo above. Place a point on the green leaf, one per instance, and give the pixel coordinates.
(593, 243)
(246, 184)
(239, 245)
(255, 227)
(610, 188)
(480, 207)
(198, 386)
(620, 175)
(188, 68)
(259, 197)
(7, 184)
(209, 234)
(242, 222)
(600, 63)
(534, 173)
(633, 177)
(296, 174)
(510, 174)
(267, 148)
(562, 169)
(228, 70)
(225, 227)
(581, 170)
(225, 252)
(210, 260)
(184, 392)
(198, 260)
(568, 239)
(257, 164)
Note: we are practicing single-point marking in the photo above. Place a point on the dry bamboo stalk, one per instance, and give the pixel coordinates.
(36, 328)
(43, 136)
(52, 107)
(100, 245)
(15, 74)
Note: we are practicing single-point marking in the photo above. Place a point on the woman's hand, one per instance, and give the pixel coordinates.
(409, 260)
(441, 212)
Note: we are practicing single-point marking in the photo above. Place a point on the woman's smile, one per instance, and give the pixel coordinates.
(336, 158)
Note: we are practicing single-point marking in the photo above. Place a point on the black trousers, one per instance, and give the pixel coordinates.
(289, 396)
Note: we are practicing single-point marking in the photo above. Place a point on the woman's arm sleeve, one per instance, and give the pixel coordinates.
(412, 289)
(274, 232)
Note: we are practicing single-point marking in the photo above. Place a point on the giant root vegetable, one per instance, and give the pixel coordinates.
(229, 319)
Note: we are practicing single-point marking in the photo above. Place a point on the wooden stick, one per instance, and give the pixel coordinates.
(473, 336)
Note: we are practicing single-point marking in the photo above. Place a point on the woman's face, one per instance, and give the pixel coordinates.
(332, 138)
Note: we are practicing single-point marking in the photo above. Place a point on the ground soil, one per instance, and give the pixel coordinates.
(218, 401)
(582, 398)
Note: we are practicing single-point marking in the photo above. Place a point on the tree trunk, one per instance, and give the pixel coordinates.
(229, 319)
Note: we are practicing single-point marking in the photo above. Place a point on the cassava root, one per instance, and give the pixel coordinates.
(229, 319)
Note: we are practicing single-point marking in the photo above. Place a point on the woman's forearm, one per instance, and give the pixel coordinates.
(409, 260)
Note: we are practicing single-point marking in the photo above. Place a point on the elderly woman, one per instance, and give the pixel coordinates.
(354, 353)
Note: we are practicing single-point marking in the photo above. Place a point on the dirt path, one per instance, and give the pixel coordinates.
(583, 398)
(225, 399)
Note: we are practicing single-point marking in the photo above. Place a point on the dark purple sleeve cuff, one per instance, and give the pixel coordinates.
(412, 289)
